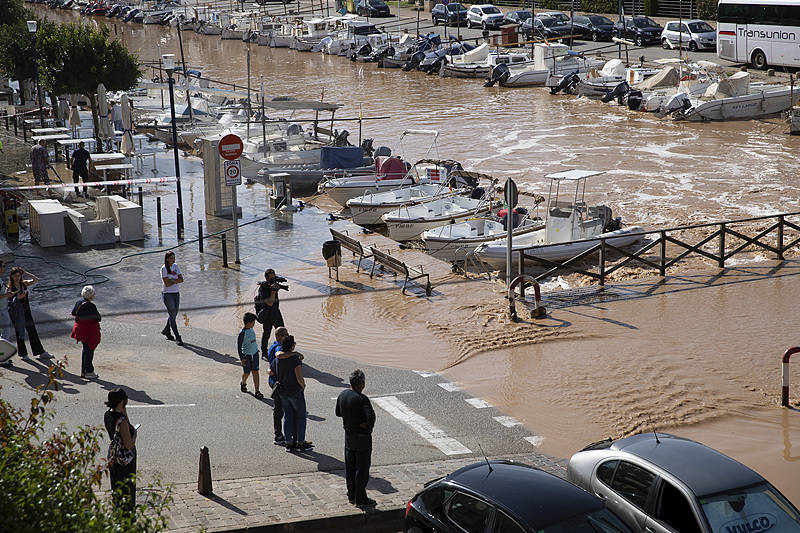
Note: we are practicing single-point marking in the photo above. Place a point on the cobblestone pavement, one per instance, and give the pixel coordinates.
(300, 501)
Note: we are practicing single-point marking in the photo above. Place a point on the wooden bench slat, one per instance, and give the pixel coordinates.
(400, 267)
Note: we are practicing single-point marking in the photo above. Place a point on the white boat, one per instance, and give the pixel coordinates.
(550, 60)
(600, 83)
(368, 209)
(311, 32)
(451, 242)
(410, 222)
(282, 37)
(480, 68)
(571, 227)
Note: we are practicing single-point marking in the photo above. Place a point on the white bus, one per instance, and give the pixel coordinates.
(762, 33)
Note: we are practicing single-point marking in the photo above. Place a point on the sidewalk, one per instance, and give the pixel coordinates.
(316, 501)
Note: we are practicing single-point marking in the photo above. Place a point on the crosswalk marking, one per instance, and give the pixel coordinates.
(449, 387)
(425, 374)
(536, 440)
(423, 427)
(477, 403)
(507, 421)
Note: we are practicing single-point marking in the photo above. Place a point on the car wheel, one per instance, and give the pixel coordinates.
(692, 46)
(639, 40)
(759, 60)
(664, 44)
(595, 37)
(435, 21)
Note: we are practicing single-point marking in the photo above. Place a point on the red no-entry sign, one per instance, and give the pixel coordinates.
(231, 147)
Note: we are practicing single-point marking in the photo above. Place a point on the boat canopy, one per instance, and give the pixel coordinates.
(574, 175)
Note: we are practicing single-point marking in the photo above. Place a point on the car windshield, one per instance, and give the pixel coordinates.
(456, 7)
(377, 3)
(700, 27)
(600, 521)
(522, 15)
(597, 20)
(645, 22)
(760, 506)
(548, 21)
(491, 10)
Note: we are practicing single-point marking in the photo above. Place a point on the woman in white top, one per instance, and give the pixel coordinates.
(170, 292)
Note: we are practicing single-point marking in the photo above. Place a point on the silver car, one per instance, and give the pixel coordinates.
(695, 35)
(666, 484)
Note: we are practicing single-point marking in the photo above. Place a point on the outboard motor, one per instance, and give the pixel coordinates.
(294, 129)
(567, 82)
(634, 100)
(500, 73)
(414, 61)
(363, 51)
(618, 92)
(436, 66)
(477, 193)
(679, 102)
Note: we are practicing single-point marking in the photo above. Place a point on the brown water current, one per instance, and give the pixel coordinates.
(697, 354)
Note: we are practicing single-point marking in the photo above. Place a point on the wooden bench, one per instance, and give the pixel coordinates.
(398, 267)
(351, 244)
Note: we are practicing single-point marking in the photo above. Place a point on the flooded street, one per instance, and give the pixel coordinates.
(697, 354)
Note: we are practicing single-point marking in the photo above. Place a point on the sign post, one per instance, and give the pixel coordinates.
(511, 195)
(230, 148)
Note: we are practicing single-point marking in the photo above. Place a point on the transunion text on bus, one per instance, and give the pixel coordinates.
(765, 34)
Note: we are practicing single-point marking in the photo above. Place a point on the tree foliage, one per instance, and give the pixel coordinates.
(48, 483)
(13, 11)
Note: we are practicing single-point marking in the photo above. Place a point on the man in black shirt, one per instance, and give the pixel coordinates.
(358, 418)
(80, 169)
(267, 306)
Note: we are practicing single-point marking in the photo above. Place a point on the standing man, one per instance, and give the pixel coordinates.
(266, 303)
(277, 410)
(116, 116)
(40, 160)
(80, 167)
(358, 418)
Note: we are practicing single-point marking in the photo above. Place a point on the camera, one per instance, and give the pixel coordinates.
(276, 284)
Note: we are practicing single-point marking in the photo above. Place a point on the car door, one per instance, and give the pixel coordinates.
(671, 31)
(474, 15)
(468, 513)
(627, 489)
(673, 511)
(630, 29)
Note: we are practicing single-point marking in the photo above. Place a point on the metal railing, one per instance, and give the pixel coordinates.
(780, 229)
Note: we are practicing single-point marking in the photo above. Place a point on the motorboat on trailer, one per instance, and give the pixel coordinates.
(549, 60)
(460, 68)
(571, 226)
(402, 51)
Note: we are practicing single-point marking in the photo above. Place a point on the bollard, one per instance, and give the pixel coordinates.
(140, 196)
(224, 251)
(785, 375)
(24, 131)
(200, 235)
(15, 125)
(6, 117)
(204, 473)
(158, 210)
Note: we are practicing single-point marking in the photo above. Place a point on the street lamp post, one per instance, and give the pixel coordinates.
(168, 60)
(32, 25)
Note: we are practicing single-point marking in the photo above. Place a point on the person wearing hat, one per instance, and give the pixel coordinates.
(121, 451)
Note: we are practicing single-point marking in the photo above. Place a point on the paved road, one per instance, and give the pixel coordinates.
(189, 397)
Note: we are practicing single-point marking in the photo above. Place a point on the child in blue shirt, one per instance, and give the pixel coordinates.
(248, 353)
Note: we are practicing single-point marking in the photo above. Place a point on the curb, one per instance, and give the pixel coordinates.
(370, 521)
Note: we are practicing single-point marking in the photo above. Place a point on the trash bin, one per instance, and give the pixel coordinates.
(509, 34)
(332, 253)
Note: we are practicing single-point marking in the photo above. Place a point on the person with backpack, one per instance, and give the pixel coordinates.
(266, 302)
(122, 451)
(248, 353)
(86, 330)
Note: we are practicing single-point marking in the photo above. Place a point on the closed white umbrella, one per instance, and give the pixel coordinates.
(104, 124)
(74, 115)
(63, 110)
(127, 147)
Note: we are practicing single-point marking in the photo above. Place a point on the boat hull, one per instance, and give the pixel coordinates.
(410, 229)
(746, 107)
(340, 191)
(448, 247)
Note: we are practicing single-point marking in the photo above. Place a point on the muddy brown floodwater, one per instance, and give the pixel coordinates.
(697, 354)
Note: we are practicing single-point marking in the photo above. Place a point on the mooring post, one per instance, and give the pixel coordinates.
(140, 196)
(180, 226)
(158, 211)
(224, 251)
(24, 131)
(721, 261)
(204, 473)
(602, 262)
(15, 125)
(200, 235)
(662, 267)
(780, 237)
(785, 375)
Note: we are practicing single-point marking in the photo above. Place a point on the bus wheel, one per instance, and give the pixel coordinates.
(759, 60)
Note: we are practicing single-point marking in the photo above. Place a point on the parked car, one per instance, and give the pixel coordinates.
(372, 8)
(663, 483)
(640, 29)
(507, 497)
(484, 16)
(553, 14)
(695, 35)
(450, 14)
(545, 27)
(517, 17)
(594, 27)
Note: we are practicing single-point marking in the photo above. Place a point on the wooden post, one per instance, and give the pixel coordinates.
(141, 199)
(662, 268)
(780, 237)
(602, 262)
(200, 235)
(225, 250)
(158, 211)
(721, 261)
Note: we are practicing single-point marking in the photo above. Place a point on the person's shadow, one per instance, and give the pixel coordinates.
(326, 378)
(212, 354)
(39, 375)
(332, 465)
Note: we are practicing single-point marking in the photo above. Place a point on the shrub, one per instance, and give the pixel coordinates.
(599, 6)
(707, 9)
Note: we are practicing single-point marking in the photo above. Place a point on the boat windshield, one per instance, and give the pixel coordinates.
(759, 505)
(700, 27)
(645, 22)
(598, 20)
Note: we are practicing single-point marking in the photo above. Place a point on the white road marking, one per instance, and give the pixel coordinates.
(401, 393)
(536, 440)
(425, 429)
(478, 403)
(425, 374)
(163, 405)
(508, 421)
(449, 387)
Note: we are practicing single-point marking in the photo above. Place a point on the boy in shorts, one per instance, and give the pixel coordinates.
(248, 353)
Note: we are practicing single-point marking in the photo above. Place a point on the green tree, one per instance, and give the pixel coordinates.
(48, 483)
(16, 52)
(75, 59)
(13, 11)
